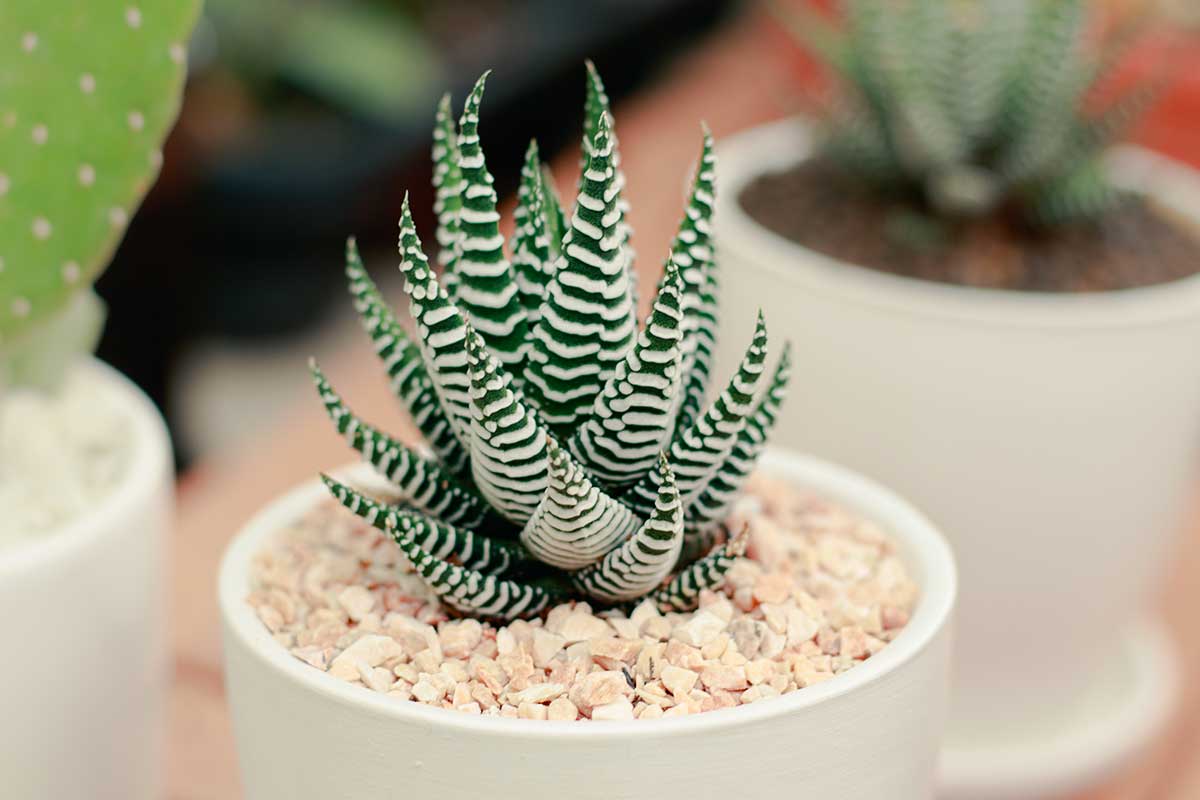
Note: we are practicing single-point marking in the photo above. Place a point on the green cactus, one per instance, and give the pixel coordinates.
(595, 469)
(88, 92)
(973, 106)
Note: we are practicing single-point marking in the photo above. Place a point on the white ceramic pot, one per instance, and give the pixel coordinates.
(1053, 437)
(871, 733)
(84, 671)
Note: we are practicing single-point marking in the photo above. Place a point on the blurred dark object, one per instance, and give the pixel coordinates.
(284, 148)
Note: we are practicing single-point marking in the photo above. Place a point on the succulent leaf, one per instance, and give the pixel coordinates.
(508, 442)
(575, 523)
(442, 329)
(693, 253)
(437, 538)
(448, 189)
(682, 593)
(533, 258)
(470, 591)
(587, 323)
(698, 452)
(595, 109)
(645, 559)
(711, 506)
(633, 415)
(487, 288)
(90, 91)
(556, 218)
(421, 481)
(405, 368)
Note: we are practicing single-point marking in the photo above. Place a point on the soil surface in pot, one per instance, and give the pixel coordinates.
(61, 453)
(819, 592)
(815, 205)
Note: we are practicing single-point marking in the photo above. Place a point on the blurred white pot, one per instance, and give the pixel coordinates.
(1053, 437)
(869, 734)
(83, 613)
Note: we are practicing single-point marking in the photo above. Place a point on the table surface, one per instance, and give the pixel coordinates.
(734, 79)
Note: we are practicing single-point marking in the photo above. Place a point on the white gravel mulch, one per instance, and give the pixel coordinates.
(62, 452)
(819, 592)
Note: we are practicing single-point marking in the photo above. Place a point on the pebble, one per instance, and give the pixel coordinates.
(618, 709)
(562, 709)
(679, 681)
(546, 646)
(532, 711)
(581, 625)
(701, 629)
(458, 639)
(723, 677)
(371, 650)
(599, 688)
(538, 693)
(357, 602)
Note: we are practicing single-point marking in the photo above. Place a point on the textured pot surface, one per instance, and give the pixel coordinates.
(1052, 437)
(84, 674)
(871, 733)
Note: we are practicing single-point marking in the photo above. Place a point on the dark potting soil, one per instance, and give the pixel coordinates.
(816, 206)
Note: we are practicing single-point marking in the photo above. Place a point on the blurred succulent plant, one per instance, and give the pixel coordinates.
(570, 457)
(88, 92)
(974, 104)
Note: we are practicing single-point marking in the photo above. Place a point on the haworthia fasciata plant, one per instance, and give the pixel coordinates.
(592, 468)
(977, 107)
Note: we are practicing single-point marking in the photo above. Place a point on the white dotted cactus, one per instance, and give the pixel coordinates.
(88, 92)
(573, 454)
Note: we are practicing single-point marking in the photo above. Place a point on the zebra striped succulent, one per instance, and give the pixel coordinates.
(568, 455)
(975, 105)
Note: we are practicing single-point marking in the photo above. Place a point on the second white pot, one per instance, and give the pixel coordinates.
(1053, 437)
(84, 666)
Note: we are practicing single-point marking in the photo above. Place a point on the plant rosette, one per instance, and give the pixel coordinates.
(870, 732)
(1052, 436)
(83, 598)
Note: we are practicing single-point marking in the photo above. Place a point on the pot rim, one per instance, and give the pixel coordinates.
(149, 461)
(785, 143)
(922, 546)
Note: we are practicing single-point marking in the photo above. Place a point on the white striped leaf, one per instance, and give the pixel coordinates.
(696, 454)
(422, 482)
(441, 327)
(645, 560)
(711, 506)
(633, 415)
(533, 260)
(470, 591)
(438, 538)
(682, 593)
(405, 368)
(448, 188)
(508, 443)
(487, 289)
(587, 323)
(576, 523)
(692, 250)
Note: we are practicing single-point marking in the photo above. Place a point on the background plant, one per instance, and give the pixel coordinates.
(572, 453)
(88, 92)
(975, 106)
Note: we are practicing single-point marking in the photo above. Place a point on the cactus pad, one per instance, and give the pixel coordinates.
(88, 92)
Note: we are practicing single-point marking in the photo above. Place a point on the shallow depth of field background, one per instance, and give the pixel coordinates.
(306, 121)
